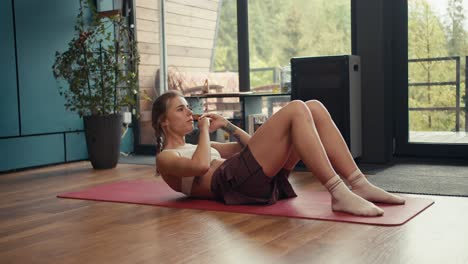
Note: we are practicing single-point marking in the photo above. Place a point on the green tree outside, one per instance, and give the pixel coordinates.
(281, 29)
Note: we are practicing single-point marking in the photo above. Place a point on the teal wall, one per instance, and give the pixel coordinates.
(36, 129)
(8, 101)
(38, 36)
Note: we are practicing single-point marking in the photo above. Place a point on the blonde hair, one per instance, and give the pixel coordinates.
(157, 113)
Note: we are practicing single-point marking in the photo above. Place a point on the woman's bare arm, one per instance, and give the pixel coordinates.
(218, 121)
(170, 163)
(240, 135)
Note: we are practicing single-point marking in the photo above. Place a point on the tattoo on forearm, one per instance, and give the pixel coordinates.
(238, 139)
(230, 128)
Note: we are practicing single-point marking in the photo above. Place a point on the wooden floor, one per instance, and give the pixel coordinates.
(37, 227)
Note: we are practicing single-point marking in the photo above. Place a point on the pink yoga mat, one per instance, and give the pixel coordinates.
(308, 204)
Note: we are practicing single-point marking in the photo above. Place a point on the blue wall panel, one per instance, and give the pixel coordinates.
(104, 5)
(31, 151)
(76, 146)
(8, 101)
(126, 145)
(42, 28)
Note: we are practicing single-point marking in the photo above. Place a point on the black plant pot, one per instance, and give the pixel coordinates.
(103, 140)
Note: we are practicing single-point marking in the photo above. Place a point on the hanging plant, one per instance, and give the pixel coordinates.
(100, 66)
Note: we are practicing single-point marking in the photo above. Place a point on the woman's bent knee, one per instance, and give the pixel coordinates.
(299, 109)
(298, 105)
(317, 107)
(315, 104)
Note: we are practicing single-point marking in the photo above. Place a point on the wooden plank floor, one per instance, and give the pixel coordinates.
(37, 227)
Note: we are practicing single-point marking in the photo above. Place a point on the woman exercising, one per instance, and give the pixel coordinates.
(255, 169)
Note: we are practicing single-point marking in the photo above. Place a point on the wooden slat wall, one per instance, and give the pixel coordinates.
(147, 24)
(190, 33)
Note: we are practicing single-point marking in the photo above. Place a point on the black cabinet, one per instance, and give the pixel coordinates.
(336, 82)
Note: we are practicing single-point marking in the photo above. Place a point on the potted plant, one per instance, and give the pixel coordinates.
(100, 70)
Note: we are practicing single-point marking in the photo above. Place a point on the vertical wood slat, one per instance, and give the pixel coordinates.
(190, 33)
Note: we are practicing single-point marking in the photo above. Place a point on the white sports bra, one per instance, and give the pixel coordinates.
(187, 151)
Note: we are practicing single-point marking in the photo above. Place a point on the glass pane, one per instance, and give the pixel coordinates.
(281, 29)
(147, 26)
(437, 50)
(199, 36)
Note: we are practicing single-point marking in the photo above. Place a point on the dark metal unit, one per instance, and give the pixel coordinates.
(336, 82)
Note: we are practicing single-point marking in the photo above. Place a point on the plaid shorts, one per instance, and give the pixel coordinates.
(240, 180)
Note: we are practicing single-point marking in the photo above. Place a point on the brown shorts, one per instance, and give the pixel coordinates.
(240, 180)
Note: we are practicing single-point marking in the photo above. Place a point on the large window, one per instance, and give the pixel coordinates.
(437, 50)
(201, 45)
(282, 29)
(198, 37)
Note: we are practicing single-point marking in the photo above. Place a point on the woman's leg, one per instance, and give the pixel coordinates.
(293, 159)
(341, 158)
(293, 126)
(334, 144)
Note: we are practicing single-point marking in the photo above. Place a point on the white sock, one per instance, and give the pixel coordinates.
(362, 187)
(344, 200)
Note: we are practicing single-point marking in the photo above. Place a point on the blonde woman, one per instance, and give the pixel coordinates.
(255, 170)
